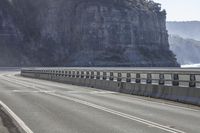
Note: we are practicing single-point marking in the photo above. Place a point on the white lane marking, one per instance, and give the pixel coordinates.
(139, 99)
(102, 92)
(134, 118)
(22, 84)
(149, 123)
(26, 91)
(89, 92)
(124, 115)
(70, 92)
(16, 118)
(165, 104)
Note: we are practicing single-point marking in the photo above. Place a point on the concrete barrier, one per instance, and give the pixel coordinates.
(101, 80)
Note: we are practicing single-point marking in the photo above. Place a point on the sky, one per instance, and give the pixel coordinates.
(181, 10)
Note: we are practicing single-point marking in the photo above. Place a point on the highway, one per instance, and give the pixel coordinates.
(51, 107)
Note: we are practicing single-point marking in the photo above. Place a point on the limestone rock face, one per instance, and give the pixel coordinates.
(9, 38)
(89, 32)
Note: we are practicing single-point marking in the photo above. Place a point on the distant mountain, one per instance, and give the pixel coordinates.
(186, 50)
(187, 29)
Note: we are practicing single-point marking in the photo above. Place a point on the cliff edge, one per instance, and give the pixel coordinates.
(84, 33)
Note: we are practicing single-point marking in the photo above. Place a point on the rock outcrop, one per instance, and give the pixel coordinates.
(9, 37)
(85, 33)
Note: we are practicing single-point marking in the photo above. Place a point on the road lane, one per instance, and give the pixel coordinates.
(46, 114)
(45, 99)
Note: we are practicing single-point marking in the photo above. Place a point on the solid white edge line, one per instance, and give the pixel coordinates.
(131, 117)
(139, 99)
(140, 120)
(16, 118)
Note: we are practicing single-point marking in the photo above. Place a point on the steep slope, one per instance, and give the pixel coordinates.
(187, 50)
(88, 33)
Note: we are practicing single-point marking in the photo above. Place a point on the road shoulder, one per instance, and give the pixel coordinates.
(6, 123)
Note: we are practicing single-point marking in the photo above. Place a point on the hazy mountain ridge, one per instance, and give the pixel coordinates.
(187, 29)
(85, 33)
(184, 42)
(186, 50)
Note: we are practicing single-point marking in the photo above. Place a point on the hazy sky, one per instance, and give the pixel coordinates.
(181, 10)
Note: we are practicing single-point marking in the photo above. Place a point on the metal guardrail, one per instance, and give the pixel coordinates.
(156, 76)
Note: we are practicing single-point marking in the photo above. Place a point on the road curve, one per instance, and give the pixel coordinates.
(50, 107)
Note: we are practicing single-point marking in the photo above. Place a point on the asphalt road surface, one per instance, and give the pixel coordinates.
(50, 107)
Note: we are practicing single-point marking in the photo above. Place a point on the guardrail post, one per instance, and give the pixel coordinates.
(52, 72)
(128, 77)
(87, 75)
(175, 79)
(161, 79)
(77, 74)
(92, 75)
(138, 79)
(98, 75)
(82, 74)
(59, 73)
(56, 73)
(119, 77)
(192, 82)
(70, 73)
(73, 74)
(111, 76)
(149, 78)
(104, 75)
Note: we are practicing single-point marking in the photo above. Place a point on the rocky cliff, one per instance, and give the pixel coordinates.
(83, 33)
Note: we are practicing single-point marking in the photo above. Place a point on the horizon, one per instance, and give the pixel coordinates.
(186, 11)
